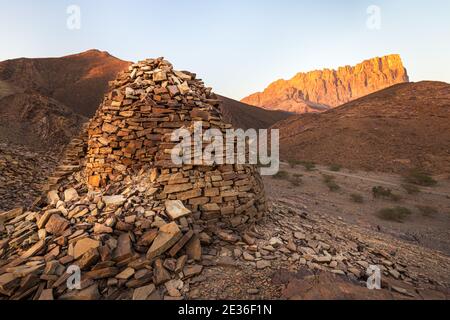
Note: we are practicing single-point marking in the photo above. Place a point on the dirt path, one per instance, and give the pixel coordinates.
(382, 182)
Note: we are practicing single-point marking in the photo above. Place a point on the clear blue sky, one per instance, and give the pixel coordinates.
(237, 46)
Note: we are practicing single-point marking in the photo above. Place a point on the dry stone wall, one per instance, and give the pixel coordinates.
(133, 128)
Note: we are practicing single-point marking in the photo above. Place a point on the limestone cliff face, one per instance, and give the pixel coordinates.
(318, 91)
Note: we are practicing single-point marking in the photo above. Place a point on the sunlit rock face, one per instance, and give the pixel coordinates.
(318, 91)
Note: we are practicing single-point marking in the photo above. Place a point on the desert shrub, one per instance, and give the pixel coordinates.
(384, 193)
(281, 175)
(335, 168)
(357, 198)
(293, 163)
(397, 214)
(411, 188)
(296, 180)
(331, 183)
(427, 211)
(420, 178)
(308, 165)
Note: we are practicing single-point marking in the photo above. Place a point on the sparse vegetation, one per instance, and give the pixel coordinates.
(335, 168)
(357, 198)
(384, 193)
(296, 180)
(420, 178)
(331, 183)
(411, 188)
(427, 211)
(397, 214)
(293, 163)
(281, 175)
(308, 165)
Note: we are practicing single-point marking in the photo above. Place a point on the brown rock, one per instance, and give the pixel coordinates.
(45, 217)
(168, 236)
(104, 273)
(89, 294)
(175, 209)
(100, 228)
(38, 246)
(148, 238)
(84, 245)
(56, 225)
(89, 259)
(46, 295)
(143, 293)
(194, 249)
(227, 236)
(192, 271)
(124, 248)
(160, 274)
(180, 244)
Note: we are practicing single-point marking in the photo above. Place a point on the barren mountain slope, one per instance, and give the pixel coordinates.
(244, 116)
(36, 121)
(78, 81)
(319, 90)
(405, 126)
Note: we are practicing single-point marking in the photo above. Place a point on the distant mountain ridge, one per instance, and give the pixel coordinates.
(402, 127)
(44, 101)
(320, 90)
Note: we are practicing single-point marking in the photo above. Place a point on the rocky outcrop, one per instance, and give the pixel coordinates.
(318, 91)
(396, 129)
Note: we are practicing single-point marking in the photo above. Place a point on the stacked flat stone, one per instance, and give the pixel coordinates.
(119, 209)
(133, 129)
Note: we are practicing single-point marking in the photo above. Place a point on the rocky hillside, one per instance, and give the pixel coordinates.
(404, 126)
(78, 81)
(318, 91)
(37, 121)
(244, 116)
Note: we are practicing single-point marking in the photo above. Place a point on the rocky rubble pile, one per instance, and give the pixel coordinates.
(23, 174)
(134, 223)
(281, 256)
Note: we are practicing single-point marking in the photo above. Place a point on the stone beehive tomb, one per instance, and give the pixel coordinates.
(133, 129)
(121, 210)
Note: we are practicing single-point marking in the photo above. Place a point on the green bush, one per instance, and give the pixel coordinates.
(293, 163)
(281, 175)
(420, 178)
(296, 180)
(397, 214)
(427, 211)
(331, 183)
(335, 168)
(411, 188)
(357, 198)
(308, 165)
(384, 193)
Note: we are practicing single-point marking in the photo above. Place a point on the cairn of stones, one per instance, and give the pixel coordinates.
(134, 127)
(131, 220)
